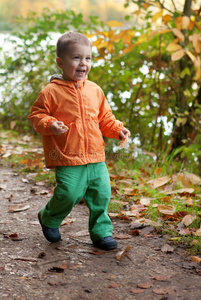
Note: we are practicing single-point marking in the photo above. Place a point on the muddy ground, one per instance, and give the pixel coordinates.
(32, 268)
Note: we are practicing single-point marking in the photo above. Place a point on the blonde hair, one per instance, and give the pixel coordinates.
(70, 38)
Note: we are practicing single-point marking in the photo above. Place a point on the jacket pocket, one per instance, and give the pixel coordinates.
(95, 137)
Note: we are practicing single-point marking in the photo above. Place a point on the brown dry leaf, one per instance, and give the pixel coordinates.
(97, 252)
(162, 277)
(167, 248)
(185, 22)
(122, 236)
(68, 221)
(196, 259)
(18, 207)
(164, 291)
(181, 191)
(166, 209)
(137, 291)
(157, 182)
(12, 236)
(173, 47)
(145, 201)
(145, 285)
(178, 55)
(188, 220)
(120, 254)
(124, 141)
(114, 285)
(191, 177)
(179, 34)
(198, 232)
(189, 201)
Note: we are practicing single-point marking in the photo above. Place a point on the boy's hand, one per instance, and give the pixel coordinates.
(124, 133)
(58, 127)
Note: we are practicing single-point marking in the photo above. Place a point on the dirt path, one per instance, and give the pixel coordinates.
(31, 268)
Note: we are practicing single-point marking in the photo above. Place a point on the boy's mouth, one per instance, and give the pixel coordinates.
(80, 72)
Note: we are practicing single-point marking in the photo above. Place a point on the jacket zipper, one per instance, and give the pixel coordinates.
(83, 119)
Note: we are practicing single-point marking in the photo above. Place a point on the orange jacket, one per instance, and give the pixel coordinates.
(83, 108)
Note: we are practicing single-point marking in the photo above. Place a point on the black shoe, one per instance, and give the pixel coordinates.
(106, 243)
(51, 234)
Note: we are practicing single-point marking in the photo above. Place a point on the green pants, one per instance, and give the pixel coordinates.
(74, 183)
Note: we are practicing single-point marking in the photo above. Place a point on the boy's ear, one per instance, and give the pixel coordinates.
(59, 62)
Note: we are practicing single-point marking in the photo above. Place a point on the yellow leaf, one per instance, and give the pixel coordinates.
(198, 74)
(157, 171)
(173, 47)
(166, 210)
(178, 33)
(178, 23)
(166, 18)
(97, 42)
(192, 57)
(191, 25)
(178, 55)
(137, 12)
(104, 33)
(114, 23)
(145, 5)
(110, 34)
(102, 45)
(110, 47)
(159, 31)
(142, 38)
(131, 32)
(116, 38)
(120, 254)
(128, 49)
(196, 259)
(156, 16)
(185, 22)
(89, 35)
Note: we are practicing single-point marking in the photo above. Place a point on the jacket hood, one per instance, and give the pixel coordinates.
(57, 79)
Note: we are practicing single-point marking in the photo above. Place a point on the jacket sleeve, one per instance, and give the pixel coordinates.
(40, 116)
(109, 126)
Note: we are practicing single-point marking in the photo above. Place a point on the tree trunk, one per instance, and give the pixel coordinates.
(181, 131)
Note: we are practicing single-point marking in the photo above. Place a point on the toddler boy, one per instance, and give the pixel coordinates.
(72, 114)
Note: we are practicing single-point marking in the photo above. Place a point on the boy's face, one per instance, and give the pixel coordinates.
(76, 63)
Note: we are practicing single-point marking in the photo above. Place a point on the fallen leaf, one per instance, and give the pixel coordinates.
(196, 259)
(137, 291)
(135, 232)
(59, 269)
(97, 252)
(114, 285)
(180, 191)
(145, 201)
(157, 182)
(188, 220)
(167, 248)
(145, 285)
(122, 236)
(12, 236)
(166, 209)
(198, 232)
(162, 277)
(68, 221)
(164, 291)
(120, 254)
(42, 254)
(157, 171)
(2, 268)
(18, 207)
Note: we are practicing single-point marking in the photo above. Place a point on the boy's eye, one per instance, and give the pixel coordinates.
(76, 57)
(88, 58)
